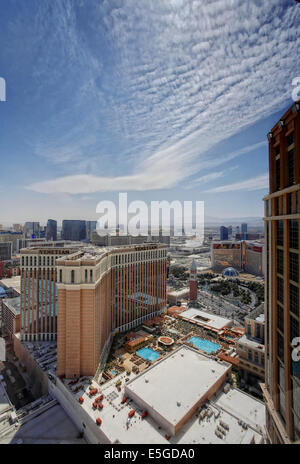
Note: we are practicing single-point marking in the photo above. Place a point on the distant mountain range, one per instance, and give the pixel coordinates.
(255, 221)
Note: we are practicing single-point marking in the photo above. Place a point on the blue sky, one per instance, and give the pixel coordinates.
(168, 100)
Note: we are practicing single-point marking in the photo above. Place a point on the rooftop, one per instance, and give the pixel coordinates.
(182, 291)
(12, 282)
(14, 304)
(244, 415)
(161, 386)
(92, 253)
(205, 319)
(251, 343)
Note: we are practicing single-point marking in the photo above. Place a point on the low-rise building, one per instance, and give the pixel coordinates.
(176, 296)
(208, 321)
(11, 315)
(250, 348)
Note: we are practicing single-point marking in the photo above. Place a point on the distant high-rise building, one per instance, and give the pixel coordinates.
(90, 228)
(229, 231)
(282, 311)
(5, 251)
(17, 228)
(51, 230)
(13, 237)
(73, 230)
(193, 282)
(32, 229)
(244, 228)
(223, 233)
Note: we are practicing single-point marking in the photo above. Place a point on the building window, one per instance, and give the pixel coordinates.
(291, 167)
(278, 174)
(294, 267)
(280, 261)
(280, 289)
(86, 275)
(279, 233)
(60, 275)
(294, 234)
(72, 277)
(294, 328)
(280, 347)
(280, 320)
(289, 204)
(294, 299)
(91, 276)
(290, 139)
(250, 355)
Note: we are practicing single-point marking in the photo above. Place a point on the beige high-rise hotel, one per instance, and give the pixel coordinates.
(102, 291)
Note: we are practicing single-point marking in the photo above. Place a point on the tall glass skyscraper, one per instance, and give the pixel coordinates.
(51, 230)
(73, 230)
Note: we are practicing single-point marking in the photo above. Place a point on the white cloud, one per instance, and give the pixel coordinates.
(183, 76)
(255, 183)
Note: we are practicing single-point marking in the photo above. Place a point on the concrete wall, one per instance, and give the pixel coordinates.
(39, 386)
(92, 433)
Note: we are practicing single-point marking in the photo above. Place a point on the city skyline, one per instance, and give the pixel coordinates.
(165, 102)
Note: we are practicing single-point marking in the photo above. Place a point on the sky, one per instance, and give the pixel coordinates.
(168, 100)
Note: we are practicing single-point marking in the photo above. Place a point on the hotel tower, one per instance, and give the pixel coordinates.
(102, 291)
(282, 216)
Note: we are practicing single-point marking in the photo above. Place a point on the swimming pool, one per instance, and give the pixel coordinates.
(114, 372)
(204, 345)
(148, 354)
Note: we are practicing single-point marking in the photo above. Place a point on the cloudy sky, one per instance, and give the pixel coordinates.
(168, 100)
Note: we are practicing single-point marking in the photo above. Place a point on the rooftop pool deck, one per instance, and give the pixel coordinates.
(205, 345)
(148, 354)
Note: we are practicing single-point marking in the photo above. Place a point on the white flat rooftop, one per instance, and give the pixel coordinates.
(243, 407)
(251, 343)
(172, 386)
(206, 319)
(230, 407)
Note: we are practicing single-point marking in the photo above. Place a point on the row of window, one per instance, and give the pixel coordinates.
(290, 162)
(39, 260)
(125, 258)
(292, 204)
(293, 294)
(255, 358)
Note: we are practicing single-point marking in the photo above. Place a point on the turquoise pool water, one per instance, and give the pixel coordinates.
(113, 372)
(204, 345)
(148, 354)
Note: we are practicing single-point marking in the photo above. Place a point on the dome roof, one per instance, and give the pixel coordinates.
(230, 272)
